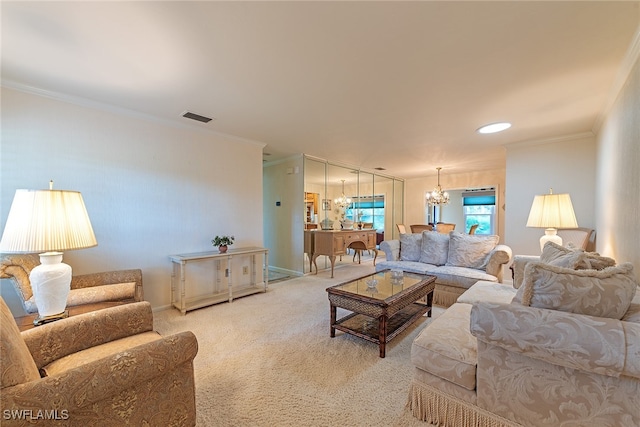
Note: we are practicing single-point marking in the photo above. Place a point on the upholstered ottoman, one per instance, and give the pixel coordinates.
(445, 353)
(445, 359)
(446, 349)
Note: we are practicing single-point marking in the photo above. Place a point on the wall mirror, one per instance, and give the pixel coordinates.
(374, 201)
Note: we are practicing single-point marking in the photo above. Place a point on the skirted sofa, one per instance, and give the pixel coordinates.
(458, 260)
(563, 349)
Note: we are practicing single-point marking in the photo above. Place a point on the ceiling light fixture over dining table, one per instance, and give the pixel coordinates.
(437, 196)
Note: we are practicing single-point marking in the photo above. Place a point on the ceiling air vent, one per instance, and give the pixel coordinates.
(197, 117)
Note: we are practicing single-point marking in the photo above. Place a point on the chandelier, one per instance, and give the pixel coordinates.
(437, 196)
(342, 201)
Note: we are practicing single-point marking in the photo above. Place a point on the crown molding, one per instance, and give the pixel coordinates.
(290, 158)
(631, 58)
(552, 140)
(96, 105)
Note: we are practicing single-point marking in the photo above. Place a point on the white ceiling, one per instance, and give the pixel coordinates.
(399, 85)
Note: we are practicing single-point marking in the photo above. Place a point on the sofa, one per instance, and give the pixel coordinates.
(104, 368)
(561, 348)
(458, 260)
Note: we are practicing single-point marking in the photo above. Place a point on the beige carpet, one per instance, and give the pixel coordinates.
(267, 360)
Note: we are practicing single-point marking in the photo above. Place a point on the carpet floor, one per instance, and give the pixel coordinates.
(267, 360)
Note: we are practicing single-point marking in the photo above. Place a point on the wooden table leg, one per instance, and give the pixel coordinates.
(382, 332)
(311, 263)
(333, 263)
(333, 320)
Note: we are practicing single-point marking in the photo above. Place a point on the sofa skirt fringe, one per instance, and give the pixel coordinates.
(441, 409)
(444, 296)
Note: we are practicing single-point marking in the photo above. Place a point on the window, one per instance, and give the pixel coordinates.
(367, 209)
(479, 207)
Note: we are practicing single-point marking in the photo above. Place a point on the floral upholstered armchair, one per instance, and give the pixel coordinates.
(122, 285)
(107, 368)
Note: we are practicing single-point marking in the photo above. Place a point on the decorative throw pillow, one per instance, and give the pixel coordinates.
(435, 248)
(593, 261)
(575, 258)
(410, 246)
(600, 293)
(470, 250)
(572, 259)
(553, 251)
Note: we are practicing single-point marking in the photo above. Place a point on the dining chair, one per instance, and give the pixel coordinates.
(581, 237)
(472, 229)
(444, 228)
(419, 228)
(401, 228)
(365, 226)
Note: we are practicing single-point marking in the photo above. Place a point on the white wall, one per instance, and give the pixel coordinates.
(567, 165)
(284, 224)
(618, 172)
(151, 189)
(416, 188)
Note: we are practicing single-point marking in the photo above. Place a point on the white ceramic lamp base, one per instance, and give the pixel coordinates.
(51, 283)
(550, 235)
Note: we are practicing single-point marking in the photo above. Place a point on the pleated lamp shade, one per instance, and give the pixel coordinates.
(552, 211)
(45, 221)
(48, 222)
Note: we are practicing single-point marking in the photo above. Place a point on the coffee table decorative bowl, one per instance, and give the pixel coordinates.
(382, 305)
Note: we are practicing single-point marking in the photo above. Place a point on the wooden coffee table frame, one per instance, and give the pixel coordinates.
(376, 320)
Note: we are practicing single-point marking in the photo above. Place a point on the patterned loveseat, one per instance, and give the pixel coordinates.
(458, 260)
(562, 349)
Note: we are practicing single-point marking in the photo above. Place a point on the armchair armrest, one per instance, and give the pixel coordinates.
(54, 340)
(104, 378)
(391, 249)
(575, 341)
(518, 265)
(499, 256)
(17, 268)
(110, 278)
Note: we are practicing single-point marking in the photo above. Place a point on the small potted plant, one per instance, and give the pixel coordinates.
(222, 242)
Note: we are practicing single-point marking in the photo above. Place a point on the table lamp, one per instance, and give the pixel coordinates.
(552, 211)
(48, 222)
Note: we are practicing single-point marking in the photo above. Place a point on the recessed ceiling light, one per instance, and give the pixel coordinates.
(494, 127)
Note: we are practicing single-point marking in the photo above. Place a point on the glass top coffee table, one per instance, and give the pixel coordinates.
(382, 304)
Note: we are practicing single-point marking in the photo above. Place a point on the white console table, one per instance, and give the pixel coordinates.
(179, 282)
